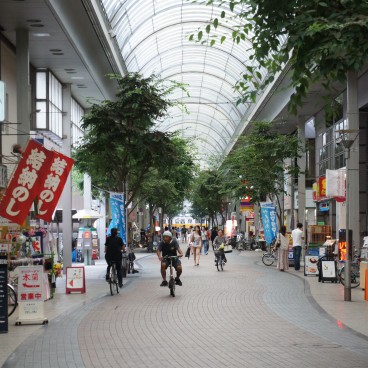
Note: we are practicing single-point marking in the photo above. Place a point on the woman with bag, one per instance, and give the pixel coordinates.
(282, 244)
(196, 240)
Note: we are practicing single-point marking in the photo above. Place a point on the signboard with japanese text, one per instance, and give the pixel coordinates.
(269, 221)
(117, 206)
(75, 280)
(25, 183)
(3, 294)
(30, 294)
(53, 184)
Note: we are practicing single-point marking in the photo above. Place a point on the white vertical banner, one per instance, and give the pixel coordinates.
(336, 183)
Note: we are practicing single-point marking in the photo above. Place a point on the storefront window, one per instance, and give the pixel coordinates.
(49, 105)
(77, 113)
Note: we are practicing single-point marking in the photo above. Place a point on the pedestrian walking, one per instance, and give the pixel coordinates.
(204, 240)
(282, 243)
(196, 240)
(214, 233)
(184, 234)
(298, 237)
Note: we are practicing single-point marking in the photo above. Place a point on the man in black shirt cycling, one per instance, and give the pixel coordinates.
(113, 247)
(169, 247)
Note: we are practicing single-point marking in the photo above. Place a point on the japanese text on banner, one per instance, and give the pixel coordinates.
(53, 185)
(117, 206)
(269, 220)
(25, 183)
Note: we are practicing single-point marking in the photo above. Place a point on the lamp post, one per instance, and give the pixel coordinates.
(347, 138)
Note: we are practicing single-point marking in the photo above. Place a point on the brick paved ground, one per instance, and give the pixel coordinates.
(247, 316)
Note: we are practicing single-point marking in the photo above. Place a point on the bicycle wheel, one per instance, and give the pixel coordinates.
(354, 275)
(268, 259)
(218, 261)
(129, 267)
(12, 300)
(112, 280)
(172, 287)
(222, 264)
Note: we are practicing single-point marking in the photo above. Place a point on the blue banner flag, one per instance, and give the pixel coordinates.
(269, 220)
(117, 206)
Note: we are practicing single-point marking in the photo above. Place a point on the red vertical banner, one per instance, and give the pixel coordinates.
(25, 183)
(53, 185)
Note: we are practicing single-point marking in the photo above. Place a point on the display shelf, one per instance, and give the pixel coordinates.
(317, 234)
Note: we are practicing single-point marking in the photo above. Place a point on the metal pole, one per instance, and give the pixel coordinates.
(347, 287)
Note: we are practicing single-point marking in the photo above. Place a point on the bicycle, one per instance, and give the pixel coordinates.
(12, 300)
(113, 279)
(271, 257)
(172, 279)
(131, 259)
(219, 260)
(354, 273)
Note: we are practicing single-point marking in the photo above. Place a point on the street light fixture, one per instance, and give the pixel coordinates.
(347, 138)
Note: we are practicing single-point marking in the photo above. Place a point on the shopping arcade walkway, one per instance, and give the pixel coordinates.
(247, 316)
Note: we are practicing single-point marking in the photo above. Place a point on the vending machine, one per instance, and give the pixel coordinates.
(88, 244)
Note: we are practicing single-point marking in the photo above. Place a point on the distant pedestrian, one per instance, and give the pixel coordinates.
(174, 233)
(204, 240)
(184, 234)
(282, 242)
(214, 233)
(196, 240)
(298, 237)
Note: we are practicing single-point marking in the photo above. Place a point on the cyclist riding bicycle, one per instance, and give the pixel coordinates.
(169, 247)
(219, 243)
(113, 247)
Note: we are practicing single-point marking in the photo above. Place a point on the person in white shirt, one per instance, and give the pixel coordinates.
(298, 237)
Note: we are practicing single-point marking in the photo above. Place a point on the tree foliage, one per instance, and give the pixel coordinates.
(167, 187)
(121, 145)
(256, 167)
(207, 195)
(320, 40)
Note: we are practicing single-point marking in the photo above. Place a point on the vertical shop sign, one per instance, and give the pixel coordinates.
(269, 220)
(336, 184)
(25, 183)
(30, 294)
(3, 294)
(315, 192)
(117, 206)
(322, 187)
(53, 185)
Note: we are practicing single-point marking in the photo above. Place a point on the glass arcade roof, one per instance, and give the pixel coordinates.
(153, 37)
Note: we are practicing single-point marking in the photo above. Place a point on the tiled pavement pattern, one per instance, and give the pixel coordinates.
(246, 316)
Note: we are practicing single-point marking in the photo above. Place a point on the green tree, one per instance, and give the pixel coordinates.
(167, 187)
(319, 40)
(208, 197)
(121, 145)
(256, 166)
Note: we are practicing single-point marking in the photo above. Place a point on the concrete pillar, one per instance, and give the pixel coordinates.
(67, 193)
(23, 87)
(301, 178)
(87, 192)
(101, 226)
(352, 114)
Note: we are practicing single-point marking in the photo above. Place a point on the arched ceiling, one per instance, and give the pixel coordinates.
(153, 37)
